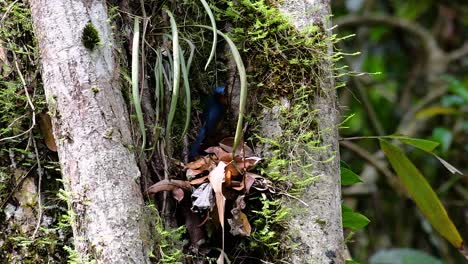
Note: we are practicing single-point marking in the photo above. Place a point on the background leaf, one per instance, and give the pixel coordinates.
(353, 220)
(403, 256)
(422, 194)
(348, 177)
(424, 144)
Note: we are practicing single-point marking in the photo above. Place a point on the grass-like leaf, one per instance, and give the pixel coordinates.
(135, 92)
(176, 75)
(192, 52)
(422, 194)
(424, 144)
(188, 100)
(215, 36)
(243, 86)
(159, 91)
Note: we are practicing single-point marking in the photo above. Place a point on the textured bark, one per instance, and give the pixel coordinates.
(318, 228)
(91, 127)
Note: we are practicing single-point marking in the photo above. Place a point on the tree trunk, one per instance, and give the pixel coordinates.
(91, 127)
(318, 228)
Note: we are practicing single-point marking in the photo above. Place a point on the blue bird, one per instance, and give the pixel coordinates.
(213, 113)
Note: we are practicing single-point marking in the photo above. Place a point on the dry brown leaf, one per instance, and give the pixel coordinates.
(247, 163)
(243, 150)
(202, 163)
(249, 180)
(45, 125)
(232, 168)
(169, 185)
(227, 178)
(239, 223)
(193, 173)
(216, 178)
(178, 194)
(238, 187)
(220, 153)
(199, 180)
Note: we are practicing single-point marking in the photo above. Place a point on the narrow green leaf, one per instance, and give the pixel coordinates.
(188, 100)
(422, 194)
(213, 26)
(176, 75)
(135, 92)
(424, 144)
(348, 177)
(353, 220)
(159, 91)
(351, 262)
(243, 87)
(192, 52)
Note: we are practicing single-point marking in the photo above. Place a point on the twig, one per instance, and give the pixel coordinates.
(39, 202)
(291, 196)
(29, 103)
(458, 53)
(8, 11)
(406, 121)
(375, 162)
(425, 37)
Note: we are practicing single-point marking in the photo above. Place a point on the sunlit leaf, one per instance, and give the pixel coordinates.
(436, 110)
(422, 194)
(348, 177)
(424, 144)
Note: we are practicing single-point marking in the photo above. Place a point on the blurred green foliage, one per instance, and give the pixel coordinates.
(408, 97)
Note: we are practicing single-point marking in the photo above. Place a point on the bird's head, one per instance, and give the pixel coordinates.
(220, 90)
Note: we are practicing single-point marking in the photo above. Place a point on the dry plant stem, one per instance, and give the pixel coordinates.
(458, 53)
(8, 11)
(23, 82)
(377, 163)
(39, 183)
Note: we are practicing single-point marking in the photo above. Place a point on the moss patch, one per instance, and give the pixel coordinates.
(90, 37)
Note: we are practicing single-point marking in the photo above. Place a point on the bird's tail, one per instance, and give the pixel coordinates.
(195, 149)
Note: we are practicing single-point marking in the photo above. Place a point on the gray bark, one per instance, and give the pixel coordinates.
(91, 127)
(318, 228)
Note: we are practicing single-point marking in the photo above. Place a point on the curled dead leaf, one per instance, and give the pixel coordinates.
(243, 150)
(199, 180)
(220, 153)
(239, 223)
(178, 194)
(169, 185)
(45, 125)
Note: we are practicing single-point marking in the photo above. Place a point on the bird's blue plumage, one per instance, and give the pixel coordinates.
(213, 114)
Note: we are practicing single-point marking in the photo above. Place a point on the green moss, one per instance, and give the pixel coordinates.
(90, 37)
